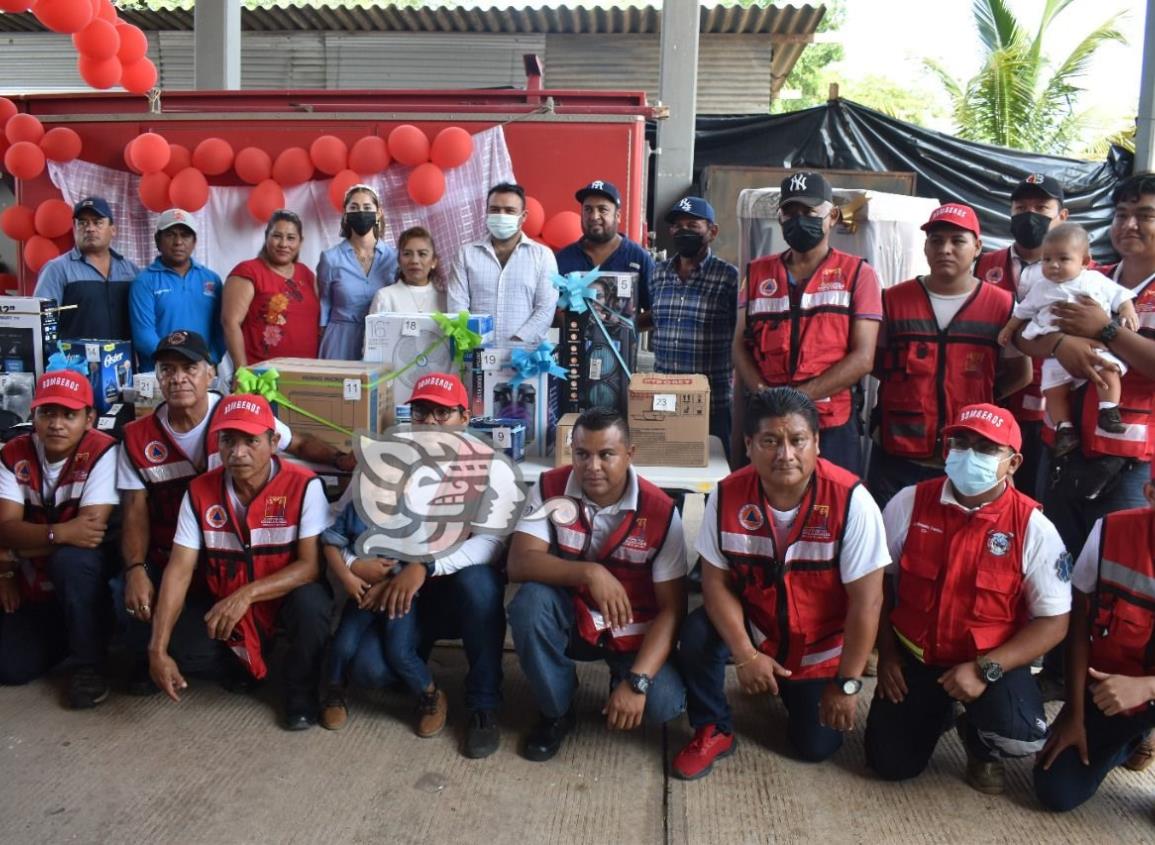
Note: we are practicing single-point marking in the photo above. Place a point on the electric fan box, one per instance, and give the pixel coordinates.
(352, 394)
(670, 419)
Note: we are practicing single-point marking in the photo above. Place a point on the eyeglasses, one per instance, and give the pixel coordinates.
(979, 444)
(437, 412)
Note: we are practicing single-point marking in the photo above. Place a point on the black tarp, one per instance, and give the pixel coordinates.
(843, 135)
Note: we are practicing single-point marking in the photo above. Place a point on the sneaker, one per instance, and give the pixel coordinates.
(545, 740)
(300, 712)
(986, 776)
(1142, 757)
(432, 710)
(697, 759)
(1111, 420)
(482, 737)
(86, 688)
(1066, 441)
(334, 711)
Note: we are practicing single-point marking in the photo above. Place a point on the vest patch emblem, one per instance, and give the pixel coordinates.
(23, 472)
(155, 451)
(215, 516)
(994, 275)
(832, 279)
(818, 525)
(750, 517)
(767, 287)
(998, 543)
(275, 507)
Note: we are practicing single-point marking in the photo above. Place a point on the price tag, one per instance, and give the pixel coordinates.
(666, 402)
(595, 369)
(490, 359)
(409, 327)
(106, 423)
(501, 437)
(145, 387)
(625, 286)
(353, 389)
(92, 352)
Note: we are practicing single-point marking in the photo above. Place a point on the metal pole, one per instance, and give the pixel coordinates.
(217, 44)
(1145, 120)
(678, 90)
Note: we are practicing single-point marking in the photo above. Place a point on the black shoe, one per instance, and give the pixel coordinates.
(236, 679)
(545, 740)
(140, 682)
(1111, 420)
(482, 736)
(86, 688)
(300, 713)
(1066, 441)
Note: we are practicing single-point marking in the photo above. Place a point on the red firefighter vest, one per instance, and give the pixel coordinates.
(928, 375)
(798, 332)
(1000, 269)
(236, 552)
(45, 507)
(960, 577)
(628, 553)
(793, 597)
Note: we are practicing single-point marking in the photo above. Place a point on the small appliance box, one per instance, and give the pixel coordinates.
(109, 367)
(399, 339)
(534, 401)
(27, 334)
(507, 435)
(353, 394)
(563, 442)
(670, 419)
(590, 357)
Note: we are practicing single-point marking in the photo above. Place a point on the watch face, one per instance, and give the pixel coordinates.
(851, 686)
(640, 684)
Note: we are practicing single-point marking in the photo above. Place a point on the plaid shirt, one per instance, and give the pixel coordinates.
(694, 322)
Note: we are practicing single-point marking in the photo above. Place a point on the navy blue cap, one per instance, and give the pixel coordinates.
(600, 186)
(97, 205)
(694, 207)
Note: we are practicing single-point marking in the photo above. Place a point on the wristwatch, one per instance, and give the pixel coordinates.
(989, 671)
(639, 683)
(848, 686)
(1108, 332)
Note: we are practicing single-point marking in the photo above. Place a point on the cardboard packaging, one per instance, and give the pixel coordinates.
(534, 402)
(398, 339)
(352, 394)
(506, 434)
(109, 367)
(144, 394)
(595, 377)
(670, 419)
(27, 334)
(563, 441)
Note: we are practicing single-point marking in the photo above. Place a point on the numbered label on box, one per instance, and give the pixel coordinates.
(501, 438)
(352, 389)
(410, 328)
(667, 402)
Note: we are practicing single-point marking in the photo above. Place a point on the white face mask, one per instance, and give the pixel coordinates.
(503, 226)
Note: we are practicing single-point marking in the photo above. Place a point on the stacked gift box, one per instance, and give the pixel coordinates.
(599, 342)
(520, 383)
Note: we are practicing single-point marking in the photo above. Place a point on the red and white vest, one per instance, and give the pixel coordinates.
(960, 580)
(797, 333)
(928, 375)
(628, 553)
(20, 458)
(794, 599)
(236, 552)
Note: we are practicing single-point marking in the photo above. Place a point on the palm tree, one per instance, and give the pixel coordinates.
(1020, 98)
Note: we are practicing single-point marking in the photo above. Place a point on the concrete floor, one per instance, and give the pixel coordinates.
(216, 768)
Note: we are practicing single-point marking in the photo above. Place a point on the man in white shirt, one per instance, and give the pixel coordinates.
(507, 274)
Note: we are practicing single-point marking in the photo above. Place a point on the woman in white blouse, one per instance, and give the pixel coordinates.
(420, 288)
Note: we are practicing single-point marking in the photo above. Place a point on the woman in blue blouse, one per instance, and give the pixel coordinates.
(350, 273)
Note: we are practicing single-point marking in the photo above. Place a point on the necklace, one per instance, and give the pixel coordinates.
(417, 307)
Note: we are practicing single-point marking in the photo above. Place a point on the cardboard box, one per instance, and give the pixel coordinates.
(670, 419)
(144, 394)
(595, 377)
(398, 339)
(563, 441)
(27, 333)
(352, 394)
(507, 435)
(534, 402)
(109, 367)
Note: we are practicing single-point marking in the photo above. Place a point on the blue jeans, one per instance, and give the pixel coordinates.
(541, 618)
(1075, 516)
(889, 474)
(189, 645)
(702, 654)
(82, 591)
(842, 445)
(32, 641)
(400, 642)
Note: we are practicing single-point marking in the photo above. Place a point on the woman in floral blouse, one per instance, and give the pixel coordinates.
(270, 307)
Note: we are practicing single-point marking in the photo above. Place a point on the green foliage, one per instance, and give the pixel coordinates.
(808, 76)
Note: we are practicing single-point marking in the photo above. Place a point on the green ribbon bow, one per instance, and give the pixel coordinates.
(264, 384)
(457, 330)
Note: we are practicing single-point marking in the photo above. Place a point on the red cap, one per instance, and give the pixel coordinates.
(990, 421)
(440, 389)
(955, 214)
(243, 412)
(63, 387)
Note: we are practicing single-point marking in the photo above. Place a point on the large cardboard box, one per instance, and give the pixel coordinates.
(27, 333)
(534, 401)
(399, 339)
(109, 367)
(563, 441)
(352, 394)
(670, 419)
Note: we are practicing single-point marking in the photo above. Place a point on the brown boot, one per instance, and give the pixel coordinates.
(1142, 757)
(986, 776)
(432, 711)
(334, 712)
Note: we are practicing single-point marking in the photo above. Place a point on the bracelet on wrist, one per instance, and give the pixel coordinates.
(748, 660)
(133, 566)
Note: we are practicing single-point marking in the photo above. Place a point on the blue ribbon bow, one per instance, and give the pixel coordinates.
(58, 361)
(528, 364)
(576, 294)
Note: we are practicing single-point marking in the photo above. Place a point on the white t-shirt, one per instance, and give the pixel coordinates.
(671, 560)
(946, 308)
(99, 488)
(1042, 295)
(1085, 577)
(191, 442)
(315, 515)
(863, 547)
(1046, 561)
(401, 298)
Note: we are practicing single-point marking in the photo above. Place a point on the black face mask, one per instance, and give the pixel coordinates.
(803, 233)
(361, 222)
(1029, 228)
(689, 243)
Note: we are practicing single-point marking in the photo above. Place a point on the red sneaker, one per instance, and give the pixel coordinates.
(697, 758)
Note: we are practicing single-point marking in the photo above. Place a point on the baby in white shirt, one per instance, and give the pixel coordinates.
(1066, 254)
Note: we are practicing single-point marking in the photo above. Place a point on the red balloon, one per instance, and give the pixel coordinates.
(53, 218)
(154, 191)
(451, 148)
(24, 160)
(562, 229)
(292, 167)
(7, 109)
(24, 127)
(329, 154)
(63, 15)
(408, 145)
(264, 199)
(213, 156)
(133, 44)
(369, 155)
(189, 190)
(139, 77)
(426, 184)
(178, 161)
(38, 251)
(15, 7)
(534, 217)
(341, 183)
(18, 222)
(99, 40)
(128, 156)
(99, 73)
(253, 165)
(150, 153)
(60, 144)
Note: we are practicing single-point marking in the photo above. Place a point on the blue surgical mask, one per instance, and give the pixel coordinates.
(503, 226)
(972, 473)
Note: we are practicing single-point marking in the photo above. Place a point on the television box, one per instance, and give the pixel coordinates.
(507, 435)
(534, 401)
(670, 419)
(109, 367)
(563, 441)
(27, 333)
(399, 339)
